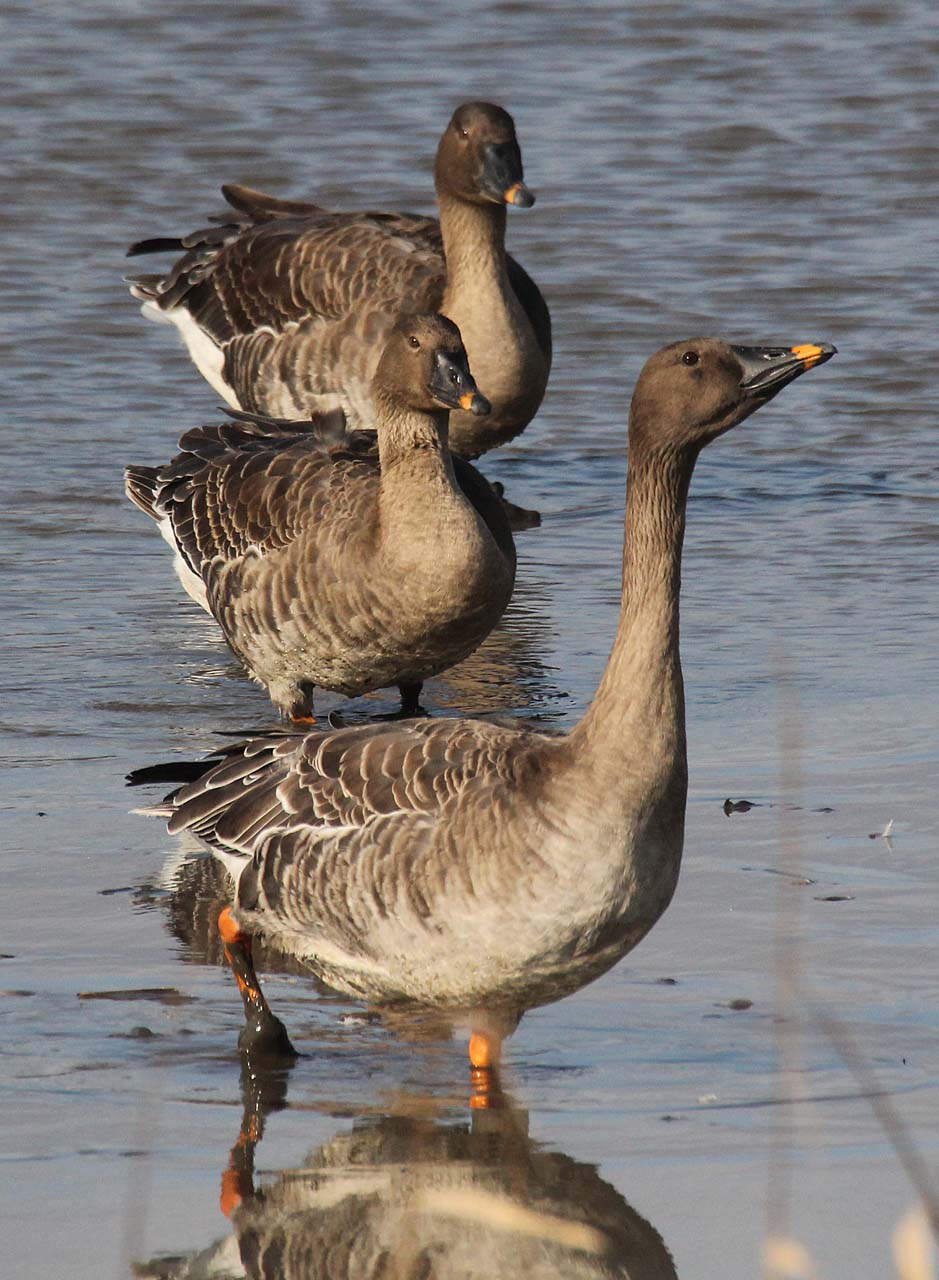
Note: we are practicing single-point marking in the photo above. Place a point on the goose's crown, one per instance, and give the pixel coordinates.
(424, 367)
(479, 160)
(692, 391)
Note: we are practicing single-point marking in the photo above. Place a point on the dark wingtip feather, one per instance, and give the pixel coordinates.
(155, 244)
(179, 771)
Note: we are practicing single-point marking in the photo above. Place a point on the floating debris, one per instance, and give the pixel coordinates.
(779, 871)
(740, 806)
(163, 995)
(835, 897)
(359, 1019)
(741, 1002)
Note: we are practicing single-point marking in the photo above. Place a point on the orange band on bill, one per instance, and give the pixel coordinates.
(808, 353)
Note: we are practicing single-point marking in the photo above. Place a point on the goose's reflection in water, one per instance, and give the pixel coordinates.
(415, 1194)
(506, 675)
(508, 670)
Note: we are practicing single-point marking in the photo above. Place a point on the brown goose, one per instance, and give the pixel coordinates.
(339, 564)
(285, 309)
(485, 869)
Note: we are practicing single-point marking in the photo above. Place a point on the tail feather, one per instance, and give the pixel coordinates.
(141, 484)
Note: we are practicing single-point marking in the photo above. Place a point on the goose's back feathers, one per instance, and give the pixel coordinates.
(283, 261)
(252, 486)
(346, 778)
(298, 309)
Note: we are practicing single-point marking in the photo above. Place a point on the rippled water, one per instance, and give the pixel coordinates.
(762, 172)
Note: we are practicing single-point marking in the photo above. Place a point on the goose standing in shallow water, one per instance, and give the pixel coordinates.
(335, 564)
(285, 311)
(478, 868)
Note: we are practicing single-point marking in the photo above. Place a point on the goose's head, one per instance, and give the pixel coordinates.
(479, 160)
(424, 367)
(693, 391)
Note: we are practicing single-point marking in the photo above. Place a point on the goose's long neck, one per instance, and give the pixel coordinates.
(431, 542)
(419, 499)
(413, 451)
(635, 726)
(474, 245)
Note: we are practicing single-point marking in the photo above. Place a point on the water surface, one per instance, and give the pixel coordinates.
(764, 173)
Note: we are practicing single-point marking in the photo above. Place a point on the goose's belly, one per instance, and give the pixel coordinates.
(344, 622)
(471, 981)
(354, 653)
(541, 941)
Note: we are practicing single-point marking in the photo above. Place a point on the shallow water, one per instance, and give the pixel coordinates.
(763, 173)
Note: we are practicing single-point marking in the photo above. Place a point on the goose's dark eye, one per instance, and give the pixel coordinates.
(414, 343)
(690, 357)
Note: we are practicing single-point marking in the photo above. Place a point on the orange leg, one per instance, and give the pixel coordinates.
(485, 1050)
(238, 1178)
(263, 1034)
(263, 1091)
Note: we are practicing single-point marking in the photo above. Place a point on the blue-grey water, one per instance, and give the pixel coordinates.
(762, 172)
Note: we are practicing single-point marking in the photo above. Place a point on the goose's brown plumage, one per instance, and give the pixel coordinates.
(328, 560)
(473, 866)
(286, 307)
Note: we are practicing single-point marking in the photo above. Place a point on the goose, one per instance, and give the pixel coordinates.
(285, 308)
(339, 564)
(481, 868)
